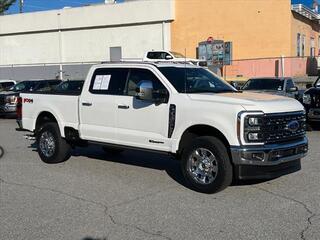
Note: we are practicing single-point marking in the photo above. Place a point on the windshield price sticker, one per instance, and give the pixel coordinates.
(101, 82)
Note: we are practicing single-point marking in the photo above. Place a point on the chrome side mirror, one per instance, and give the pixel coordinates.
(145, 90)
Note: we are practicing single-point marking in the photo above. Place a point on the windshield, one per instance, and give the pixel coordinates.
(195, 80)
(23, 86)
(264, 84)
(317, 83)
(70, 86)
(177, 55)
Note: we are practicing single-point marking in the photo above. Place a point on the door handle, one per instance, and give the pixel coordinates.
(123, 106)
(86, 104)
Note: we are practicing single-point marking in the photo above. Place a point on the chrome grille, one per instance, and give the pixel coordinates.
(276, 127)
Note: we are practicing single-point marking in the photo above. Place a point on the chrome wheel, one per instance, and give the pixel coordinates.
(202, 166)
(47, 144)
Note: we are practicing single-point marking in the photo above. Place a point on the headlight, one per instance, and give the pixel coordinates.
(11, 99)
(306, 99)
(252, 129)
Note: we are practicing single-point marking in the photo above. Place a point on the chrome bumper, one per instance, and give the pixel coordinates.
(8, 109)
(269, 155)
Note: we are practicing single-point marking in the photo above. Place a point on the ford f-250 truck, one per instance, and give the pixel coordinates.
(217, 132)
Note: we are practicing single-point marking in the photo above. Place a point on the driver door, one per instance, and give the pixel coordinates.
(142, 123)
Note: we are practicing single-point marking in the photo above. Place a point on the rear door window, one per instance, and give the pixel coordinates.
(109, 81)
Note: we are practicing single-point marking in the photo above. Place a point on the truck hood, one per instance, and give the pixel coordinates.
(251, 101)
(8, 93)
(273, 92)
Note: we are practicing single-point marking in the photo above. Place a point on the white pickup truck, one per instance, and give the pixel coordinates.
(217, 132)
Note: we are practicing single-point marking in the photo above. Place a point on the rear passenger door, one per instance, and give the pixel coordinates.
(97, 104)
(142, 123)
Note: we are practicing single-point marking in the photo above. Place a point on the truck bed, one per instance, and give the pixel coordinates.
(63, 105)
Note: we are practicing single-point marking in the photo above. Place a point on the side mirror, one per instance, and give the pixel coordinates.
(293, 89)
(308, 85)
(168, 57)
(145, 90)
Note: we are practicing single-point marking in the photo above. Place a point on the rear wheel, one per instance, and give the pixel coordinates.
(52, 148)
(206, 165)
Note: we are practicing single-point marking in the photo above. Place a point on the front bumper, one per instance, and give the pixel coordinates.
(268, 161)
(314, 114)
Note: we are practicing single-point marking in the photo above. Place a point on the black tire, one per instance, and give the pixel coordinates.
(61, 150)
(112, 150)
(1, 152)
(222, 177)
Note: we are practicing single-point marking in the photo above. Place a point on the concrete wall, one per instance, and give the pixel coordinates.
(86, 33)
(257, 28)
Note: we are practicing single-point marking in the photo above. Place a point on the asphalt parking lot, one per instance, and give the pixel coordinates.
(140, 196)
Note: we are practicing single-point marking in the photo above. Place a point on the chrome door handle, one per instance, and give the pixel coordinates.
(86, 104)
(123, 106)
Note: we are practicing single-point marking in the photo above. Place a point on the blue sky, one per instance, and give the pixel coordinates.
(40, 5)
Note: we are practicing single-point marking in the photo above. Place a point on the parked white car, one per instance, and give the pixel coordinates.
(166, 56)
(6, 84)
(217, 132)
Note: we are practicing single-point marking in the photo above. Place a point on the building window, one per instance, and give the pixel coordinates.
(312, 47)
(319, 46)
(298, 44)
(303, 44)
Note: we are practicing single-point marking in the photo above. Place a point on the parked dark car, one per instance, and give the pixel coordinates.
(276, 86)
(74, 86)
(8, 99)
(311, 102)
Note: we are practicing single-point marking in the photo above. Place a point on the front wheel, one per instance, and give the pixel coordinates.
(52, 148)
(206, 165)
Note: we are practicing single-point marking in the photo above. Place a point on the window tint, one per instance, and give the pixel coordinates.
(6, 85)
(193, 80)
(137, 75)
(157, 55)
(264, 84)
(289, 84)
(109, 81)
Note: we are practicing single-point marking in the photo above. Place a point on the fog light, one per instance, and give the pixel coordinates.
(257, 156)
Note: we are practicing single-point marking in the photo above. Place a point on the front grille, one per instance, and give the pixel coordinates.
(317, 101)
(277, 127)
(2, 100)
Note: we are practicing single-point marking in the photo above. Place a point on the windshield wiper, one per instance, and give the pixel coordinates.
(211, 91)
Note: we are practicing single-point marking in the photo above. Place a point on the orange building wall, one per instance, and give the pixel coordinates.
(304, 26)
(257, 28)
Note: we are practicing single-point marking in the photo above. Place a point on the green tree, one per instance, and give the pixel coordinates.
(5, 4)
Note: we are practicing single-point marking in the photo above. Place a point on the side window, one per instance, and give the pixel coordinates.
(109, 81)
(289, 84)
(157, 55)
(137, 75)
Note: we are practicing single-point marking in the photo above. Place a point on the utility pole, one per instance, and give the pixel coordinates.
(21, 6)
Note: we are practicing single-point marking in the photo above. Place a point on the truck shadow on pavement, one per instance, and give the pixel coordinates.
(161, 162)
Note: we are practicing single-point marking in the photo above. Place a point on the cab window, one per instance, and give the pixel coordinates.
(138, 75)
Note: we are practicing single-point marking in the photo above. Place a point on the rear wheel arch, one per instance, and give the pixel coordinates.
(44, 117)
